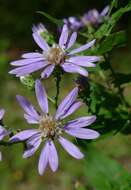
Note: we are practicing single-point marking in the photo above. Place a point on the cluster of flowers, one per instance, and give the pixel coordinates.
(91, 17)
(52, 128)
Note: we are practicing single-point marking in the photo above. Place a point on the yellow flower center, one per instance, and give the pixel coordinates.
(49, 127)
(56, 55)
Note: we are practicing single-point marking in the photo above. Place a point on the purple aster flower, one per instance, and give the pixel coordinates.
(53, 128)
(73, 23)
(3, 131)
(93, 17)
(59, 54)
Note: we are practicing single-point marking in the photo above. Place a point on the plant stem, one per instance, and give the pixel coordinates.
(51, 99)
(58, 80)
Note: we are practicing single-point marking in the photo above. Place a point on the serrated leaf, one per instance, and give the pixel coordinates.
(58, 22)
(113, 40)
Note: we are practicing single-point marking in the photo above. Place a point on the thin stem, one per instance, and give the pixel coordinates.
(58, 75)
(51, 99)
(58, 80)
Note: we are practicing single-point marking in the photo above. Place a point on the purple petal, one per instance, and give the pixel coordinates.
(24, 70)
(41, 96)
(72, 40)
(27, 107)
(64, 36)
(35, 141)
(71, 68)
(85, 61)
(22, 62)
(71, 148)
(32, 55)
(66, 103)
(39, 28)
(82, 48)
(3, 132)
(105, 11)
(30, 119)
(81, 122)
(83, 133)
(53, 157)
(23, 135)
(2, 112)
(40, 41)
(47, 71)
(72, 109)
(43, 160)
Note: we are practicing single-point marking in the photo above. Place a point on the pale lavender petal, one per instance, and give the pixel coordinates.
(72, 109)
(41, 96)
(66, 103)
(27, 107)
(53, 156)
(24, 70)
(64, 36)
(39, 28)
(32, 55)
(85, 61)
(23, 62)
(83, 133)
(2, 112)
(82, 48)
(72, 40)
(40, 41)
(105, 11)
(70, 148)
(30, 119)
(72, 68)
(23, 135)
(3, 132)
(47, 71)
(35, 141)
(81, 122)
(44, 158)
(2, 129)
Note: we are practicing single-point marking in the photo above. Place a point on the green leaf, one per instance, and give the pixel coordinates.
(113, 40)
(58, 22)
(105, 173)
(107, 27)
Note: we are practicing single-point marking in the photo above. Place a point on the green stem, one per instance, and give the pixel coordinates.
(58, 80)
(51, 99)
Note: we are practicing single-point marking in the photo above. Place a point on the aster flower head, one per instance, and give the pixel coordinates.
(3, 131)
(56, 55)
(52, 128)
(73, 23)
(93, 17)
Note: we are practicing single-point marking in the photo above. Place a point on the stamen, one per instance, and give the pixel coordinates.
(56, 55)
(49, 127)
